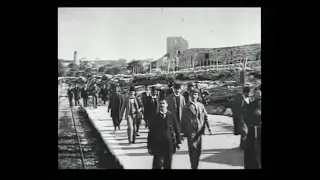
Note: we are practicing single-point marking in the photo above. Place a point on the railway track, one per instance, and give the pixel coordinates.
(80, 146)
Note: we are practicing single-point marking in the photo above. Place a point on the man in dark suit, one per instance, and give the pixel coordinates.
(70, 95)
(76, 95)
(84, 95)
(252, 121)
(115, 104)
(104, 93)
(95, 95)
(163, 137)
(152, 105)
(176, 102)
(144, 97)
(187, 93)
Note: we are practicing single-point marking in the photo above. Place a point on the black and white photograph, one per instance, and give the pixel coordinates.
(159, 88)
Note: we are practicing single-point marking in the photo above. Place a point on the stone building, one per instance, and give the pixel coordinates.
(175, 47)
(226, 55)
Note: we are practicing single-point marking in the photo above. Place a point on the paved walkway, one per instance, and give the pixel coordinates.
(219, 150)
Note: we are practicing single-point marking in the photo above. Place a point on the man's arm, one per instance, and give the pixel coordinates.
(123, 107)
(176, 128)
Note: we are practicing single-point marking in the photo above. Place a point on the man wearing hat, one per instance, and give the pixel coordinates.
(115, 105)
(186, 94)
(84, 95)
(151, 107)
(95, 94)
(194, 116)
(176, 102)
(103, 94)
(202, 98)
(144, 97)
(170, 89)
(70, 95)
(163, 137)
(76, 94)
(131, 106)
(252, 121)
(238, 107)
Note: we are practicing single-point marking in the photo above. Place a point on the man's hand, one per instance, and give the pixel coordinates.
(178, 146)
(150, 151)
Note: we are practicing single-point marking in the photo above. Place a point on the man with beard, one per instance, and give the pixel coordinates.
(115, 105)
(152, 104)
(104, 93)
(176, 102)
(131, 106)
(252, 121)
(76, 93)
(84, 95)
(194, 117)
(163, 137)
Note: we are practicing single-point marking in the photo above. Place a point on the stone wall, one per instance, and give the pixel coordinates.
(223, 55)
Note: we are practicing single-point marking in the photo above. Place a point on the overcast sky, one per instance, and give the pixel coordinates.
(140, 33)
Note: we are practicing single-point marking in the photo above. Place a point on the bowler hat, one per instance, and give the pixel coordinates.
(177, 86)
(153, 88)
(246, 89)
(132, 88)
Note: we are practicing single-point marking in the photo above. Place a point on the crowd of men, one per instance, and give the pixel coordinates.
(172, 117)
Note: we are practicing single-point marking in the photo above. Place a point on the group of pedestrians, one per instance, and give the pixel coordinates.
(75, 93)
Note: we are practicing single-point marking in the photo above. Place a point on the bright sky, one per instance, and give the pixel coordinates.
(140, 33)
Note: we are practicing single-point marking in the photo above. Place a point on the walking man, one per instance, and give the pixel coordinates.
(104, 93)
(241, 108)
(202, 98)
(144, 97)
(152, 105)
(176, 102)
(95, 95)
(163, 137)
(70, 95)
(130, 105)
(84, 95)
(252, 120)
(186, 94)
(115, 105)
(194, 117)
(76, 94)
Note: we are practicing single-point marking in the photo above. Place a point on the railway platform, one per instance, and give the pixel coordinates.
(220, 150)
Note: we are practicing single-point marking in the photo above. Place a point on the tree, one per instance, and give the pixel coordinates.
(62, 71)
(114, 71)
(88, 70)
(102, 68)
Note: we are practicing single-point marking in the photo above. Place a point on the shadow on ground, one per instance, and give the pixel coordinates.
(233, 157)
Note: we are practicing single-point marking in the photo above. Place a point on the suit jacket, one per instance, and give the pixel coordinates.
(76, 92)
(70, 93)
(189, 118)
(150, 108)
(126, 107)
(103, 92)
(115, 104)
(237, 106)
(84, 93)
(172, 106)
(164, 136)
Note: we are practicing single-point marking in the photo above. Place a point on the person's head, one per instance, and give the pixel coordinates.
(194, 94)
(153, 91)
(147, 87)
(170, 85)
(163, 105)
(190, 86)
(246, 91)
(76, 85)
(132, 92)
(196, 85)
(257, 92)
(177, 89)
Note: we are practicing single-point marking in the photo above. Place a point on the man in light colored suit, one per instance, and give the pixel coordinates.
(132, 108)
(176, 102)
(194, 117)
